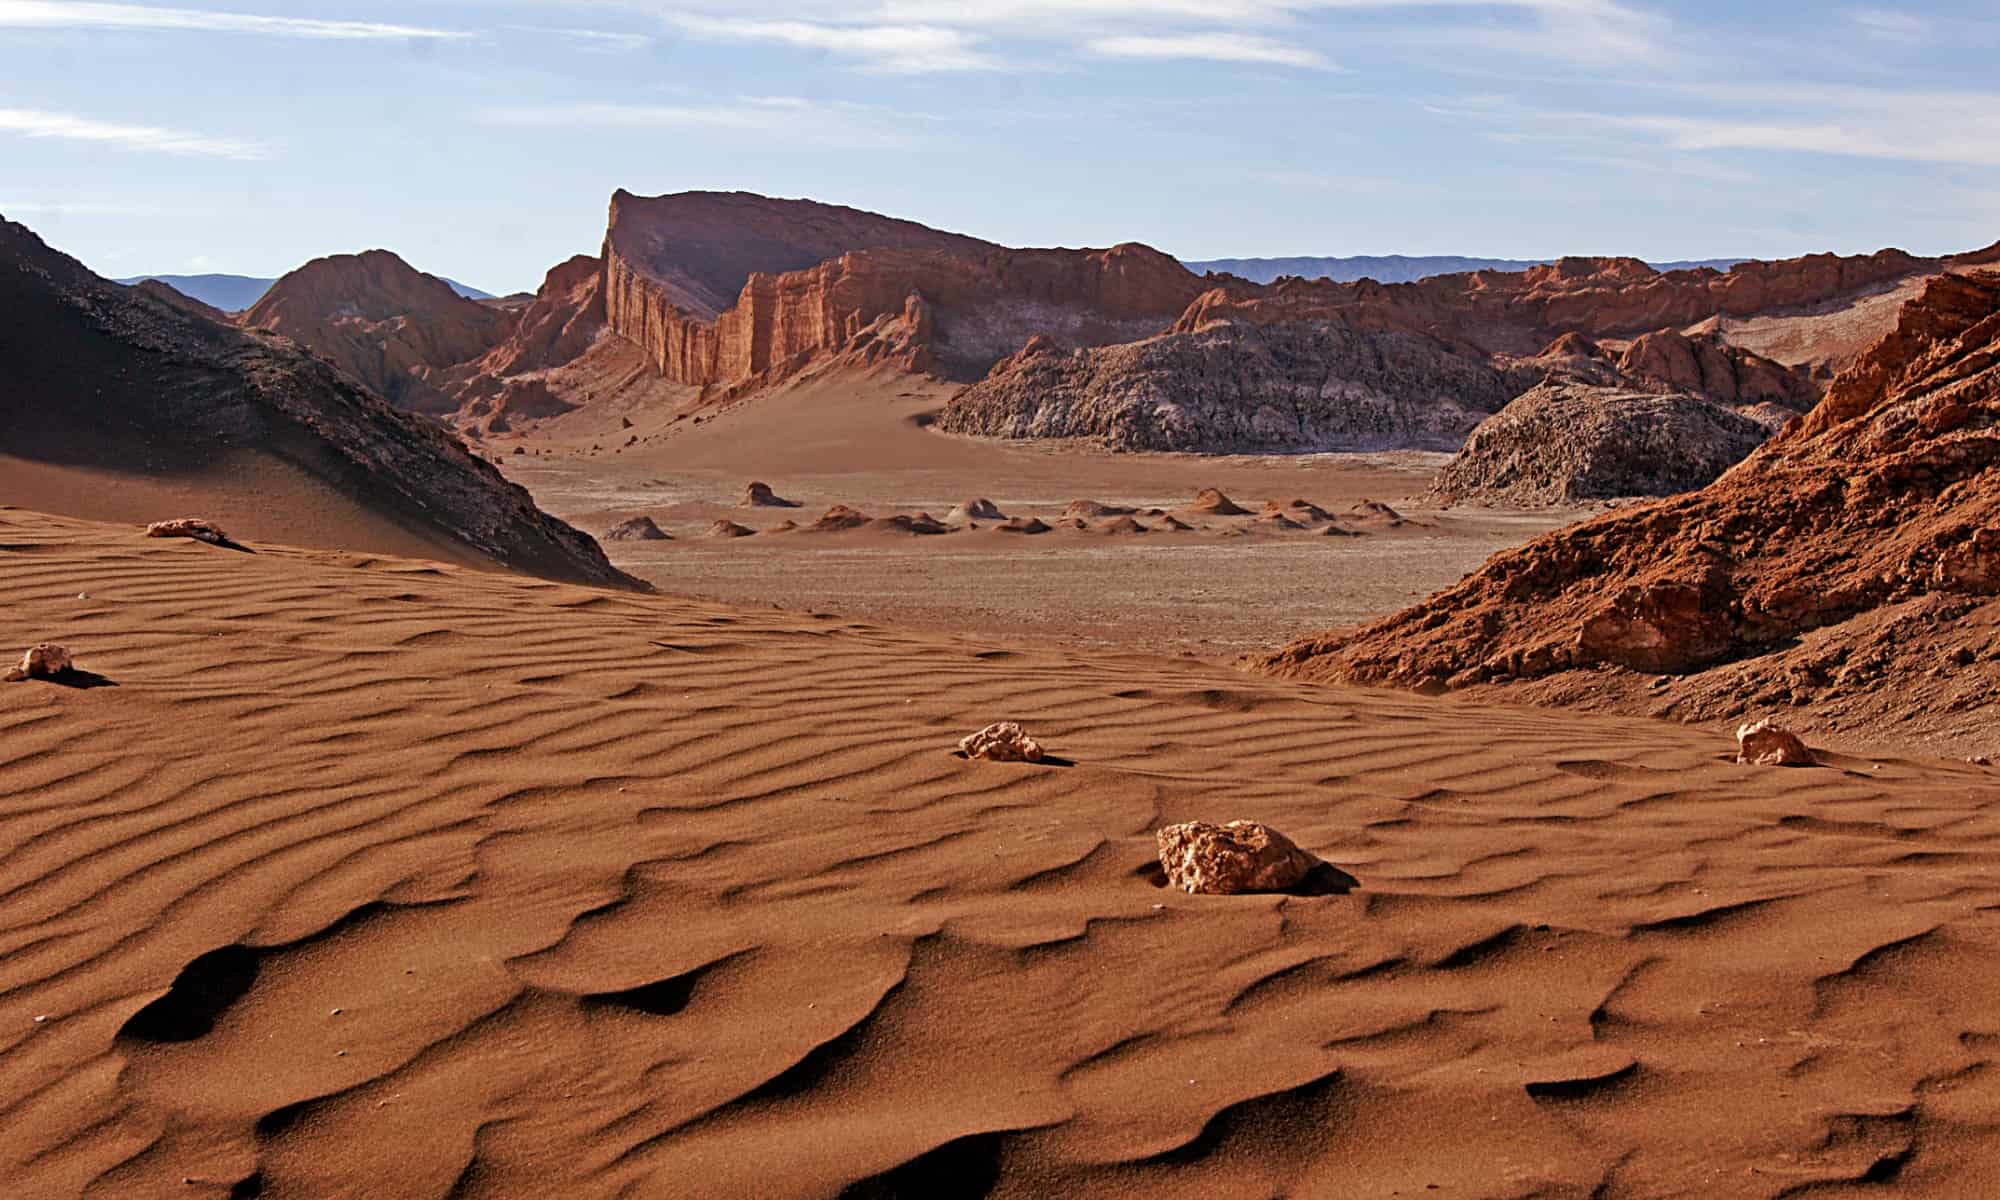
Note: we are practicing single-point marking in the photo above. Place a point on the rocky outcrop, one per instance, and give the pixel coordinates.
(382, 321)
(1004, 741)
(127, 384)
(1707, 366)
(1226, 860)
(636, 529)
(1765, 743)
(1521, 312)
(1877, 511)
(1573, 443)
(1225, 381)
(44, 661)
(759, 495)
(673, 265)
(190, 527)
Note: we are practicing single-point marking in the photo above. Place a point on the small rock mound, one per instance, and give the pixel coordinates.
(1023, 525)
(638, 529)
(1172, 524)
(189, 527)
(46, 661)
(1569, 443)
(1225, 860)
(840, 516)
(1091, 510)
(1121, 525)
(1375, 512)
(1338, 530)
(922, 523)
(729, 529)
(1214, 503)
(1299, 510)
(1278, 521)
(1004, 741)
(760, 495)
(980, 509)
(1768, 744)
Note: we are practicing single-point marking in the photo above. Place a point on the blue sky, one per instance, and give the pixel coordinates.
(482, 138)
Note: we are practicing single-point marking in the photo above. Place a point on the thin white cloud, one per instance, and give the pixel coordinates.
(73, 14)
(910, 36)
(891, 49)
(1958, 127)
(33, 123)
(1217, 47)
(774, 117)
(1893, 26)
(596, 39)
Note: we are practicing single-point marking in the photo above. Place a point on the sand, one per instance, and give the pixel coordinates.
(1226, 588)
(378, 877)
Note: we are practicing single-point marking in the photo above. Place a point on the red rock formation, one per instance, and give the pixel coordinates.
(382, 321)
(729, 289)
(1518, 313)
(1834, 558)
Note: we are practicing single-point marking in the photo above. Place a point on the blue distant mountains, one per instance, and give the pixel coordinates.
(1398, 268)
(234, 293)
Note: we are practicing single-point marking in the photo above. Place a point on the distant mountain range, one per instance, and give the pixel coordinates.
(234, 293)
(1398, 268)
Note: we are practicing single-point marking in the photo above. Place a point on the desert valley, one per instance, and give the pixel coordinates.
(539, 761)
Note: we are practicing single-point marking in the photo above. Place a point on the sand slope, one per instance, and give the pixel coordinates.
(374, 877)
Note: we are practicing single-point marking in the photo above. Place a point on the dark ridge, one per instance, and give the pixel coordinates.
(966, 1168)
(662, 998)
(1582, 1087)
(197, 998)
(1282, 1120)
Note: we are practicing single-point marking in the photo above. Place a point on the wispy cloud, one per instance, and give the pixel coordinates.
(1955, 127)
(894, 49)
(595, 39)
(1218, 47)
(70, 14)
(785, 118)
(33, 123)
(1893, 26)
(909, 36)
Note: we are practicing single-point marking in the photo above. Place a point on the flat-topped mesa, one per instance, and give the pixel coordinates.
(726, 289)
(382, 321)
(675, 263)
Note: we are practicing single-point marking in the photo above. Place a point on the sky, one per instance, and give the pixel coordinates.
(482, 139)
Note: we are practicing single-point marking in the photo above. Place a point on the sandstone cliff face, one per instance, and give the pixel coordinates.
(732, 290)
(1233, 384)
(124, 382)
(673, 264)
(382, 321)
(1567, 443)
(511, 382)
(1833, 559)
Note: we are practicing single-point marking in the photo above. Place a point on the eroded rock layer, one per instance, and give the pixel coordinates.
(382, 321)
(1838, 557)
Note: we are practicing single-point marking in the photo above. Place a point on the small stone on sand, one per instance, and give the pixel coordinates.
(1004, 741)
(1223, 860)
(1767, 744)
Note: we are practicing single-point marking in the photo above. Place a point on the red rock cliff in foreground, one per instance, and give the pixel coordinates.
(1839, 557)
